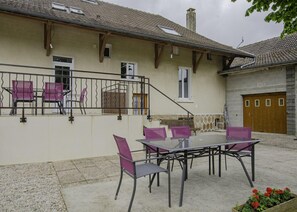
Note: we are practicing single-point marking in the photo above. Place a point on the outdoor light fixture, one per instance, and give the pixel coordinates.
(51, 46)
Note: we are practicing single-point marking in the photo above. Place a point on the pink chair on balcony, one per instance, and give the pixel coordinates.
(80, 101)
(53, 93)
(137, 168)
(22, 91)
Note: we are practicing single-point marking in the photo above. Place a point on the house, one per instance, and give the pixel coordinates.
(133, 65)
(261, 92)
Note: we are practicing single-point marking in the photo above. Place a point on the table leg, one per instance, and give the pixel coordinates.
(158, 162)
(253, 162)
(209, 161)
(220, 161)
(213, 163)
(183, 178)
(186, 164)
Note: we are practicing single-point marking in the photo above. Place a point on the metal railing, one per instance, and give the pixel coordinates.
(106, 93)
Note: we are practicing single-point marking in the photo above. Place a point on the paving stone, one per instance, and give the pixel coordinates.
(64, 165)
(70, 176)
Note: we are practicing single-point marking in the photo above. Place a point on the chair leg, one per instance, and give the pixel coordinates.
(225, 162)
(81, 111)
(191, 163)
(133, 194)
(120, 182)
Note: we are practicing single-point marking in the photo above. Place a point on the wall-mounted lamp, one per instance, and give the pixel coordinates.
(51, 46)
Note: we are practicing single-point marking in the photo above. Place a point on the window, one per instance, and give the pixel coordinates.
(128, 70)
(247, 103)
(62, 66)
(281, 102)
(257, 102)
(91, 1)
(209, 57)
(59, 6)
(107, 50)
(169, 30)
(184, 83)
(268, 102)
(76, 10)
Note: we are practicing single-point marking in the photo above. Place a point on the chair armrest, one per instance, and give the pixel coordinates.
(148, 159)
(139, 150)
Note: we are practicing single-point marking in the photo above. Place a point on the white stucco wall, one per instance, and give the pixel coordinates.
(262, 81)
(54, 138)
(21, 42)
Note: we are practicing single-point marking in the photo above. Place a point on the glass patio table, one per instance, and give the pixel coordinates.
(196, 146)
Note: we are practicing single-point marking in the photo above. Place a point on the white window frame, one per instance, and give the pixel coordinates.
(247, 103)
(268, 102)
(169, 30)
(76, 10)
(182, 98)
(135, 70)
(281, 102)
(71, 67)
(90, 1)
(257, 101)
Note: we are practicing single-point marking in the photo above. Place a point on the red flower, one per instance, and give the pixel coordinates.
(269, 190)
(255, 204)
(255, 191)
(279, 191)
(267, 194)
(287, 189)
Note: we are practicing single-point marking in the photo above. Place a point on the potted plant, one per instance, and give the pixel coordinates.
(273, 200)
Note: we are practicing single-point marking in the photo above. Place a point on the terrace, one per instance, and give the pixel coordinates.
(89, 184)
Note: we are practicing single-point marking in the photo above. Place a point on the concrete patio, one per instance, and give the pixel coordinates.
(90, 184)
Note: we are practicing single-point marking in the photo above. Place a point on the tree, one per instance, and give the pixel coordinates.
(282, 11)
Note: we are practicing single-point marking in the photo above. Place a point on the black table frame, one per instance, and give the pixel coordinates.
(212, 150)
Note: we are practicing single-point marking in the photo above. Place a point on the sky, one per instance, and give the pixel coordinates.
(220, 20)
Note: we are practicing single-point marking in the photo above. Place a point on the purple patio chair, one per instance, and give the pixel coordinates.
(80, 101)
(181, 132)
(155, 134)
(137, 168)
(22, 91)
(53, 93)
(240, 134)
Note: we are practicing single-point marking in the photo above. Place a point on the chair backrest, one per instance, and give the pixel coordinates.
(82, 95)
(125, 152)
(181, 132)
(155, 133)
(241, 134)
(22, 90)
(53, 92)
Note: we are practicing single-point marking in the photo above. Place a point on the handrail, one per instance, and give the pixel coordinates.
(149, 84)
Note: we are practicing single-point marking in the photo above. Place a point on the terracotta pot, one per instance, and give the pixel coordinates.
(290, 205)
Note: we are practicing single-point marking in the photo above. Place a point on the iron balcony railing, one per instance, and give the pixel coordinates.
(103, 93)
(83, 92)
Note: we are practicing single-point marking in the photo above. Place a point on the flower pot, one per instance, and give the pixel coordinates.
(290, 205)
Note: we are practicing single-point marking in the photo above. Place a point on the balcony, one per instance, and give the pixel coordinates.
(82, 92)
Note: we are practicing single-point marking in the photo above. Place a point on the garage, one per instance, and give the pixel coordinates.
(265, 112)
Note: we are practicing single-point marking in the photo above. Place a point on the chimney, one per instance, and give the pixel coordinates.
(191, 19)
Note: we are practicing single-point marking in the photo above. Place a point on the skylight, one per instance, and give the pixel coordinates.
(91, 1)
(76, 10)
(169, 30)
(59, 6)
